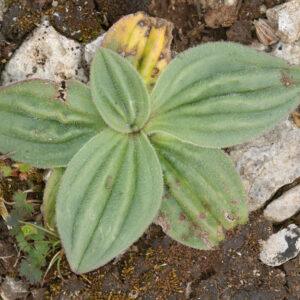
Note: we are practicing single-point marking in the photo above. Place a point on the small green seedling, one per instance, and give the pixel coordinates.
(132, 157)
(37, 243)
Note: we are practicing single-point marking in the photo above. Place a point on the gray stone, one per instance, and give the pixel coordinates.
(286, 18)
(12, 289)
(289, 52)
(90, 48)
(46, 54)
(284, 207)
(281, 246)
(268, 162)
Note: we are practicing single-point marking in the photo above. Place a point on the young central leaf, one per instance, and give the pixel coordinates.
(109, 194)
(119, 92)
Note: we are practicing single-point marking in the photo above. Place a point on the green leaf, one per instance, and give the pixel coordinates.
(21, 209)
(28, 230)
(119, 92)
(203, 194)
(109, 194)
(32, 273)
(42, 130)
(6, 171)
(24, 168)
(50, 196)
(219, 94)
(22, 243)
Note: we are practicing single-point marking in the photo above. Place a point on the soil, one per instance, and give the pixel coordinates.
(155, 267)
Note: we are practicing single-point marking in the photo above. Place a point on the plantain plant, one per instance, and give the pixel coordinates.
(132, 157)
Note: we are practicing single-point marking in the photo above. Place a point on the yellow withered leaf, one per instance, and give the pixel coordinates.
(3, 210)
(144, 41)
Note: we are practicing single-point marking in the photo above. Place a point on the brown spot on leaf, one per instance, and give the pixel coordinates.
(148, 31)
(108, 184)
(202, 216)
(229, 217)
(182, 217)
(142, 23)
(286, 79)
(206, 206)
(155, 73)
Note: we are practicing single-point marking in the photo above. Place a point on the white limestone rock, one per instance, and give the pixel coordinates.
(268, 162)
(46, 54)
(289, 52)
(12, 289)
(284, 207)
(90, 49)
(281, 247)
(286, 18)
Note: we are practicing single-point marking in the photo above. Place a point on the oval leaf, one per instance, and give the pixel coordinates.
(41, 129)
(119, 92)
(109, 194)
(203, 194)
(220, 94)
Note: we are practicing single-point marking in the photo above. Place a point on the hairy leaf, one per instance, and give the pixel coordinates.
(31, 272)
(220, 94)
(41, 130)
(203, 194)
(50, 196)
(119, 92)
(21, 209)
(109, 194)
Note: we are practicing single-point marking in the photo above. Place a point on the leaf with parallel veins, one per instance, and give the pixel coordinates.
(203, 194)
(220, 94)
(109, 195)
(41, 130)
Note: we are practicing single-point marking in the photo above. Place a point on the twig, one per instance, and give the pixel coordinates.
(28, 201)
(197, 4)
(86, 279)
(5, 257)
(6, 155)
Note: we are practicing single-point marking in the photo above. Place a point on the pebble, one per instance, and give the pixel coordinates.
(268, 162)
(213, 4)
(289, 52)
(224, 15)
(46, 55)
(240, 32)
(286, 18)
(90, 49)
(281, 246)
(76, 19)
(20, 18)
(12, 289)
(284, 207)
